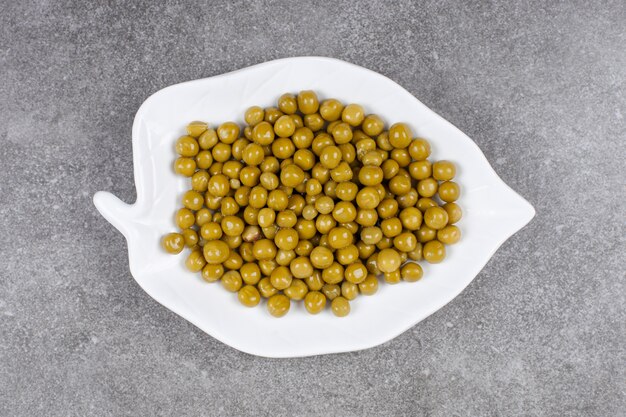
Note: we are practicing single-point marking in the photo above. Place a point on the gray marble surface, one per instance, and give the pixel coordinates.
(540, 332)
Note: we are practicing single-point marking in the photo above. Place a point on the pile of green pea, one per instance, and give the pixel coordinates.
(311, 201)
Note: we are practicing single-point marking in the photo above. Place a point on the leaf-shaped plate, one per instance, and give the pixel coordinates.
(492, 211)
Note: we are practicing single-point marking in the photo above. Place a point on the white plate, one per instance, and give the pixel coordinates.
(492, 211)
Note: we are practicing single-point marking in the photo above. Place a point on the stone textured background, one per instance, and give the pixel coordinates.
(540, 332)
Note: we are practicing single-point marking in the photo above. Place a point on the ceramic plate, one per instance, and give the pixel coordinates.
(492, 211)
